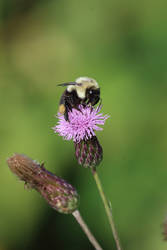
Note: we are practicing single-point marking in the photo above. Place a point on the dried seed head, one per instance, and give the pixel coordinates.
(57, 192)
(89, 153)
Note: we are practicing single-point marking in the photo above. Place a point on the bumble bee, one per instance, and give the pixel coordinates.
(83, 91)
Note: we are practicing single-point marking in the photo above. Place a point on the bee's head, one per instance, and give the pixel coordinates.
(88, 89)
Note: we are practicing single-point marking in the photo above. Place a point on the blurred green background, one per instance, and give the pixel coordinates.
(123, 45)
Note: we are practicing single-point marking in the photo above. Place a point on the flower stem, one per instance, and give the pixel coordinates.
(107, 208)
(85, 228)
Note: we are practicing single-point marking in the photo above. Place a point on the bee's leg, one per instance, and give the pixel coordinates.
(72, 102)
(68, 108)
(97, 100)
(66, 115)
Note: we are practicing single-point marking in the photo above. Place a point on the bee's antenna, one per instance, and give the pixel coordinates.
(100, 105)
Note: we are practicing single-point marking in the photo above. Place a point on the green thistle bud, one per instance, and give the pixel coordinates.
(89, 153)
(57, 192)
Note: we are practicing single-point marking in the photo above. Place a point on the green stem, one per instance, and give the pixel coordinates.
(107, 208)
(85, 228)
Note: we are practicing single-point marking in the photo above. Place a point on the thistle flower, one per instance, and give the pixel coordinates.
(81, 127)
(57, 192)
(82, 124)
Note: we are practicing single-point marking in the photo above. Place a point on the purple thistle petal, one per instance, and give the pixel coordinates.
(82, 123)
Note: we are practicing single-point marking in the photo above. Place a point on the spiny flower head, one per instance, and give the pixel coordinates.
(57, 192)
(82, 124)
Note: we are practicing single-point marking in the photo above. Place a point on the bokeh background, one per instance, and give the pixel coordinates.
(123, 45)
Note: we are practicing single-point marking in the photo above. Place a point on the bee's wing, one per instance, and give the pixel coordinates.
(67, 84)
